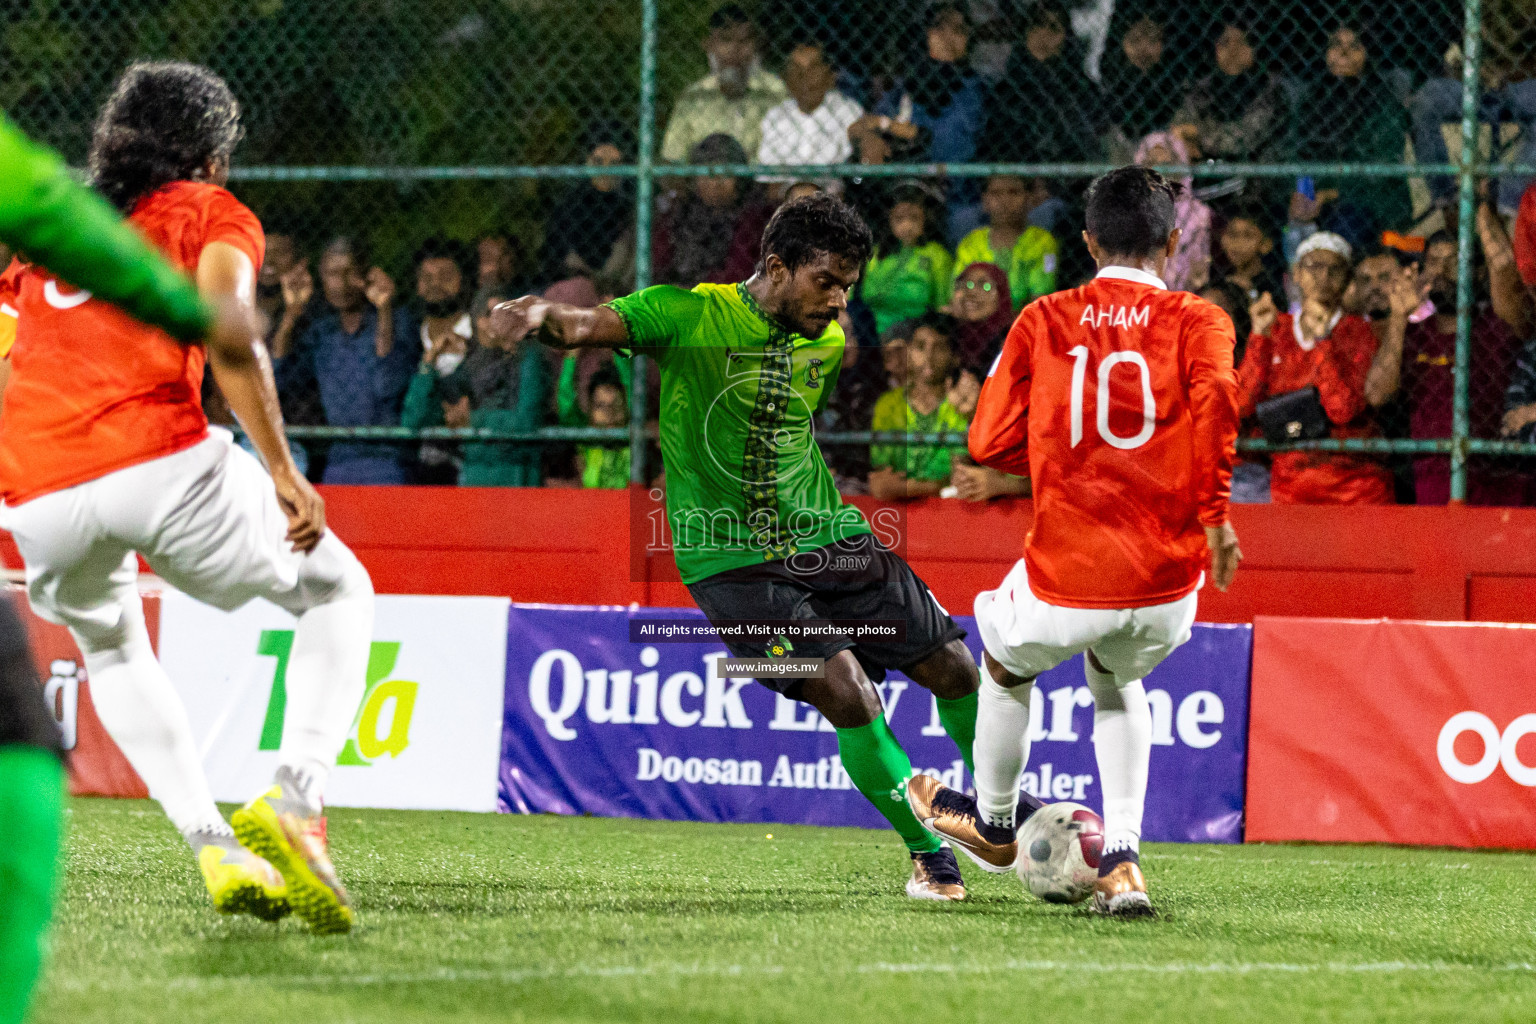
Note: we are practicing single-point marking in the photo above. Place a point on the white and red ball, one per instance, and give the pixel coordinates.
(1059, 850)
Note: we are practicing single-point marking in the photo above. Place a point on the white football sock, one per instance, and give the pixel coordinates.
(1122, 742)
(143, 714)
(1001, 747)
(326, 670)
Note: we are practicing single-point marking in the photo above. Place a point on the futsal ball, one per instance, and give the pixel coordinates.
(1059, 848)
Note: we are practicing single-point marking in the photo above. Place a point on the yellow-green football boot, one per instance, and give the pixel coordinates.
(282, 827)
(239, 882)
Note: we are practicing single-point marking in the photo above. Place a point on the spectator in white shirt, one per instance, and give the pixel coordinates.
(811, 127)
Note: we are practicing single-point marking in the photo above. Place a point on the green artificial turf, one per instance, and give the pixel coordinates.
(504, 918)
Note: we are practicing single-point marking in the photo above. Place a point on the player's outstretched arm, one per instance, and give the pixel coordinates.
(999, 435)
(1213, 401)
(557, 324)
(1225, 554)
(243, 371)
(76, 234)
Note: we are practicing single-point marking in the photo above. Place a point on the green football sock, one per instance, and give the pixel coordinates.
(31, 823)
(879, 768)
(958, 717)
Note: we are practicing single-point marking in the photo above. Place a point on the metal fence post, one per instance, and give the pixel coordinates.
(645, 184)
(1471, 63)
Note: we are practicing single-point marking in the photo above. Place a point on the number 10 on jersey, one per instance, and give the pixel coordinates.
(1079, 355)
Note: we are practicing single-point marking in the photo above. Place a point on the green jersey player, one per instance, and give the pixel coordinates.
(759, 531)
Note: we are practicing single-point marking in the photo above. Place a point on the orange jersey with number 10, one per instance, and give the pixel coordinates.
(1118, 400)
(92, 390)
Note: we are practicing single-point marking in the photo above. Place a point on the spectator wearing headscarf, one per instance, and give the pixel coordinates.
(1352, 115)
(1190, 267)
(713, 231)
(1144, 83)
(589, 231)
(1236, 111)
(934, 113)
(983, 314)
(1045, 109)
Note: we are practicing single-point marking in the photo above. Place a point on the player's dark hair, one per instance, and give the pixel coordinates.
(163, 122)
(819, 223)
(1130, 211)
(729, 16)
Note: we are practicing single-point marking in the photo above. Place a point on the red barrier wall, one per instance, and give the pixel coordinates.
(96, 766)
(573, 547)
(1392, 732)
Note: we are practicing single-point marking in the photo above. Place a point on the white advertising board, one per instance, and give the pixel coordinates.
(427, 735)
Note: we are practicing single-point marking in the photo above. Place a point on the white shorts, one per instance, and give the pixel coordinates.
(1028, 636)
(207, 521)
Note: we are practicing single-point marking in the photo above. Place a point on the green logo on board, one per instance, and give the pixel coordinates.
(364, 745)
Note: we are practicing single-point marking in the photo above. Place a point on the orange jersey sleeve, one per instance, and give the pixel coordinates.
(999, 434)
(1131, 407)
(1209, 341)
(228, 220)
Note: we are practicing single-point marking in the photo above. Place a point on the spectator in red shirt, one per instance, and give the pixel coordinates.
(1416, 361)
(1319, 346)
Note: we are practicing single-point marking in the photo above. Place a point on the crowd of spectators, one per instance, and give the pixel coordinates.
(1341, 288)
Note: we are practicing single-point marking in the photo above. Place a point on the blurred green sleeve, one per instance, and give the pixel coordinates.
(61, 224)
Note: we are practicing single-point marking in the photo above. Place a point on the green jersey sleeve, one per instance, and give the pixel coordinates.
(658, 318)
(76, 234)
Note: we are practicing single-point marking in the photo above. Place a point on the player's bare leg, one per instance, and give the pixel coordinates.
(880, 769)
(1122, 743)
(986, 828)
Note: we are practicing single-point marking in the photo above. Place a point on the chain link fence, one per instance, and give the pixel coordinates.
(479, 149)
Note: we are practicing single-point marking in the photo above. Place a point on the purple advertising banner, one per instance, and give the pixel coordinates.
(597, 724)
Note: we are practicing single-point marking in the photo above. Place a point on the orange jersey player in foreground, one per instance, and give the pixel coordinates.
(105, 454)
(1118, 399)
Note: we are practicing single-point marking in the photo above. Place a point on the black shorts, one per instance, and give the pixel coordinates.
(853, 580)
(24, 717)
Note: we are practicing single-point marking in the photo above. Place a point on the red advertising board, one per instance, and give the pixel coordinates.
(96, 766)
(1395, 732)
